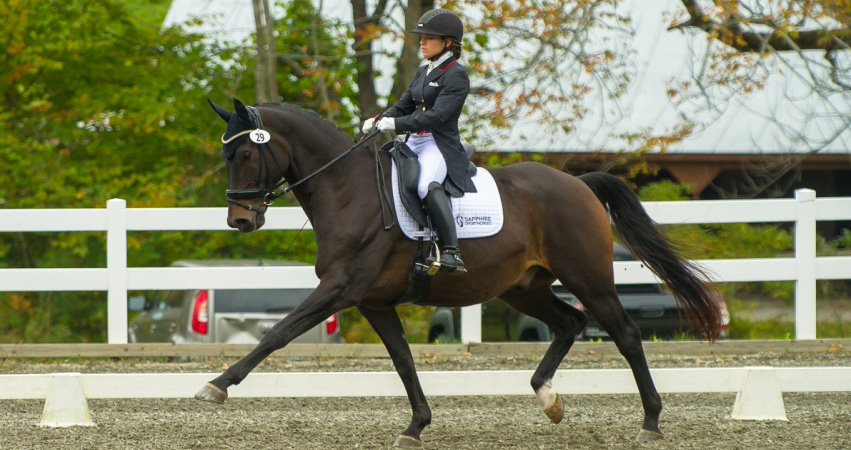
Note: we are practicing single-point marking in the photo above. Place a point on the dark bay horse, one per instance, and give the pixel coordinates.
(557, 227)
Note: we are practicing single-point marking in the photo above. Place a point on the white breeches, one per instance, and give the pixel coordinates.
(432, 164)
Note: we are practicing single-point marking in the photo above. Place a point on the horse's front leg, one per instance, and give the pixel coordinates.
(386, 323)
(326, 300)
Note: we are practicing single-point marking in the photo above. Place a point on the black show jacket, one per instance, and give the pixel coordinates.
(433, 103)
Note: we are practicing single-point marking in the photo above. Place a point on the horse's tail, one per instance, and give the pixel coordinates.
(687, 281)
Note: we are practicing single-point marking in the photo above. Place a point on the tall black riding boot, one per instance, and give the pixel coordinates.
(439, 211)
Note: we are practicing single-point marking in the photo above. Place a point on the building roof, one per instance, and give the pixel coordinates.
(787, 116)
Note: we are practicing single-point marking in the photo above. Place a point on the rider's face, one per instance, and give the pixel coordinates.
(431, 45)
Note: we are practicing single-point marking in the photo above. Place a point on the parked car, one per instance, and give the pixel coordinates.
(236, 316)
(652, 308)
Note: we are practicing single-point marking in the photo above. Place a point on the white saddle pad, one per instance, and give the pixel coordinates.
(477, 214)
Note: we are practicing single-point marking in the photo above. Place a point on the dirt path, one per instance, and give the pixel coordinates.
(698, 421)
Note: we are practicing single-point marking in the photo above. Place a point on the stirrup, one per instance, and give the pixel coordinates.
(433, 260)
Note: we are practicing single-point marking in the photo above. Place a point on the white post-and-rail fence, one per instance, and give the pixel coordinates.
(759, 389)
(116, 278)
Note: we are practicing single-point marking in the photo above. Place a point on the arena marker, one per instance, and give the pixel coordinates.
(66, 405)
(760, 397)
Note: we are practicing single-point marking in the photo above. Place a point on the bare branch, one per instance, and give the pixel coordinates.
(732, 33)
(834, 73)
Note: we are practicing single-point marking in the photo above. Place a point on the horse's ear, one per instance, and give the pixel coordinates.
(223, 113)
(241, 111)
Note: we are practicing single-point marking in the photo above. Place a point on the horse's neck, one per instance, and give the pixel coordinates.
(339, 195)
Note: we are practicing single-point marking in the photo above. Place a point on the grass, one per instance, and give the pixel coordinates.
(777, 329)
(444, 339)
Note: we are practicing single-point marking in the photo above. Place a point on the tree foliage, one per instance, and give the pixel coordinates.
(723, 241)
(315, 63)
(529, 61)
(564, 67)
(98, 105)
(805, 45)
(100, 102)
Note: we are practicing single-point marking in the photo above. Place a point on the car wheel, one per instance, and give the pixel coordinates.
(529, 335)
(436, 334)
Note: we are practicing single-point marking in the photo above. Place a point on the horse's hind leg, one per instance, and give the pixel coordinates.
(603, 303)
(386, 323)
(566, 322)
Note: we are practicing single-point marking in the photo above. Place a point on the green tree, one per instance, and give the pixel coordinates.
(100, 102)
(721, 241)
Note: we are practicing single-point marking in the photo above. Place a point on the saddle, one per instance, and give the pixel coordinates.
(408, 168)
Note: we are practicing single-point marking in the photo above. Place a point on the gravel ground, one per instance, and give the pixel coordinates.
(690, 421)
(699, 421)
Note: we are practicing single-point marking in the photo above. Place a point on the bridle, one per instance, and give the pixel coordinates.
(269, 196)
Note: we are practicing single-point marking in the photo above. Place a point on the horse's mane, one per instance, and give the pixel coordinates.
(311, 116)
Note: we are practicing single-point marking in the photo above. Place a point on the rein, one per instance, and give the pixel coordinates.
(269, 196)
(274, 196)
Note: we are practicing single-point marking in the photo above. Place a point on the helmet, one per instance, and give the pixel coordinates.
(440, 22)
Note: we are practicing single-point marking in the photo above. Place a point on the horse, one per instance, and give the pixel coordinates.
(556, 227)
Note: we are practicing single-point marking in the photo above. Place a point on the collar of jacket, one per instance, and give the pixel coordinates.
(433, 64)
(441, 69)
(426, 77)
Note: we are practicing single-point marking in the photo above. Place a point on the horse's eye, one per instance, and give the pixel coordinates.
(246, 155)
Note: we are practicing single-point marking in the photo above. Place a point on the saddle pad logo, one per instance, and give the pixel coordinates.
(472, 221)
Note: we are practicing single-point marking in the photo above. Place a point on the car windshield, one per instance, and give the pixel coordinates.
(259, 300)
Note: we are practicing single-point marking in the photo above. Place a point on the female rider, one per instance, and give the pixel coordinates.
(428, 112)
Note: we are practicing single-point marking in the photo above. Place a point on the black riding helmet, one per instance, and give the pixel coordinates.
(440, 22)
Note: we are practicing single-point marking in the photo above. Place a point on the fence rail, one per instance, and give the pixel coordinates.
(117, 220)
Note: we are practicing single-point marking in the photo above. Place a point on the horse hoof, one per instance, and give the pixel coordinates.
(556, 411)
(210, 393)
(648, 436)
(407, 442)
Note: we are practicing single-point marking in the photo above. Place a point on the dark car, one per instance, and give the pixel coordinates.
(652, 308)
(236, 316)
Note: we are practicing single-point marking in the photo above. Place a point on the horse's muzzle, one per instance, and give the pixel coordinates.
(244, 220)
(244, 225)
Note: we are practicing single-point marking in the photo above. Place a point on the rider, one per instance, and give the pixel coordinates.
(428, 112)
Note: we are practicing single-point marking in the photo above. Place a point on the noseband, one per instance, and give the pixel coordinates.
(269, 196)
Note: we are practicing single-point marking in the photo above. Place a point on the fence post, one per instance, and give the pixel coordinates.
(471, 324)
(805, 257)
(116, 265)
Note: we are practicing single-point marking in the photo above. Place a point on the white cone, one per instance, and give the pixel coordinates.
(760, 397)
(66, 405)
